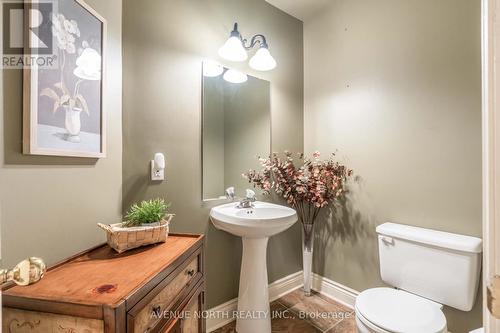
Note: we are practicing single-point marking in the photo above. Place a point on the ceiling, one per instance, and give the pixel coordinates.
(301, 9)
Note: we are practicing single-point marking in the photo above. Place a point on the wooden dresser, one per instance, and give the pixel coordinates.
(158, 288)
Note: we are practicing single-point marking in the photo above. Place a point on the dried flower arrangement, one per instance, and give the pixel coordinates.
(308, 189)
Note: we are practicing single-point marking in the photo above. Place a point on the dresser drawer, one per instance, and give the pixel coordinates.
(22, 321)
(190, 310)
(192, 322)
(154, 309)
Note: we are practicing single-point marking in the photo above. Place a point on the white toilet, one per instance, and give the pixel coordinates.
(429, 268)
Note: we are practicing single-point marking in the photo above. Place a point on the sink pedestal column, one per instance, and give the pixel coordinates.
(254, 314)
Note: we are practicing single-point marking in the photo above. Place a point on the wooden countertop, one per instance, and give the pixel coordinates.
(103, 277)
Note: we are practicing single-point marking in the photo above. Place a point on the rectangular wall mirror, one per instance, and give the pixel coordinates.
(236, 128)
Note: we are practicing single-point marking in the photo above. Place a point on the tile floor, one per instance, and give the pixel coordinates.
(295, 313)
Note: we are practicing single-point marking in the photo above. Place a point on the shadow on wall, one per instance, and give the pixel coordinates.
(13, 127)
(347, 224)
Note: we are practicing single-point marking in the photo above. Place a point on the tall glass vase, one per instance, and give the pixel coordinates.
(307, 255)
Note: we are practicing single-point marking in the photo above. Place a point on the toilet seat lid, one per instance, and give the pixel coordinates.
(398, 311)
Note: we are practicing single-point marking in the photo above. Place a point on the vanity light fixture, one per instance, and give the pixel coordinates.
(235, 49)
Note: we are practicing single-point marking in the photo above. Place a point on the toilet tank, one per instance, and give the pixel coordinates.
(440, 266)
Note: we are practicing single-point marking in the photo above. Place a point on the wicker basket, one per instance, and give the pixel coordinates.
(123, 239)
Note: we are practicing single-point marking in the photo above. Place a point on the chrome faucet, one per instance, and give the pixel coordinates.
(230, 193)
(248, 200)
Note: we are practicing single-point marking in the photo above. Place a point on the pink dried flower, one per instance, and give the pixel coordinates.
(308, 188)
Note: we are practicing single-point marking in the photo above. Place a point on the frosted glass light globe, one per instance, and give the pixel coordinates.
(233, 50)
(262, 60)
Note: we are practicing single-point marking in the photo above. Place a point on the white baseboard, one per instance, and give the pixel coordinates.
(222, 314)
(285, 285)
(279, 288)
(334, 290)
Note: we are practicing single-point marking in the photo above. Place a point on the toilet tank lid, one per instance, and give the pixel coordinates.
(441, 239)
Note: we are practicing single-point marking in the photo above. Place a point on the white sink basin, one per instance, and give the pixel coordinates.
(255, 225)
(263, 220)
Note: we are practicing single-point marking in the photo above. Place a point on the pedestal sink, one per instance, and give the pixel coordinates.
(255, 225)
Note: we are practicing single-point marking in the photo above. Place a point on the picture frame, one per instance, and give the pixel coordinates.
(63, 106)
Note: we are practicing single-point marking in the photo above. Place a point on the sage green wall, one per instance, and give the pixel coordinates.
(165, 42)
(396, 87)
(49, 206)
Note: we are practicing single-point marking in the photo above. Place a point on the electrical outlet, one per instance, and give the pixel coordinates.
(157, 174)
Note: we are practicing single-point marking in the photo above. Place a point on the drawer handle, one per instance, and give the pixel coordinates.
(157, 311)
(190, 272)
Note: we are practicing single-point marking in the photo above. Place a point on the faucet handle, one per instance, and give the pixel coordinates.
(230, 192)
(250, 194)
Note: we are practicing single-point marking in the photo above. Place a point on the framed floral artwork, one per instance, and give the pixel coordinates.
(63, 104)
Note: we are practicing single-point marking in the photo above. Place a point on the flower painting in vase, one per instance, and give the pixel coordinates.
(64, 108)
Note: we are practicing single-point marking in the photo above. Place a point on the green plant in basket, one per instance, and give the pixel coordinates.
(147, 212)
